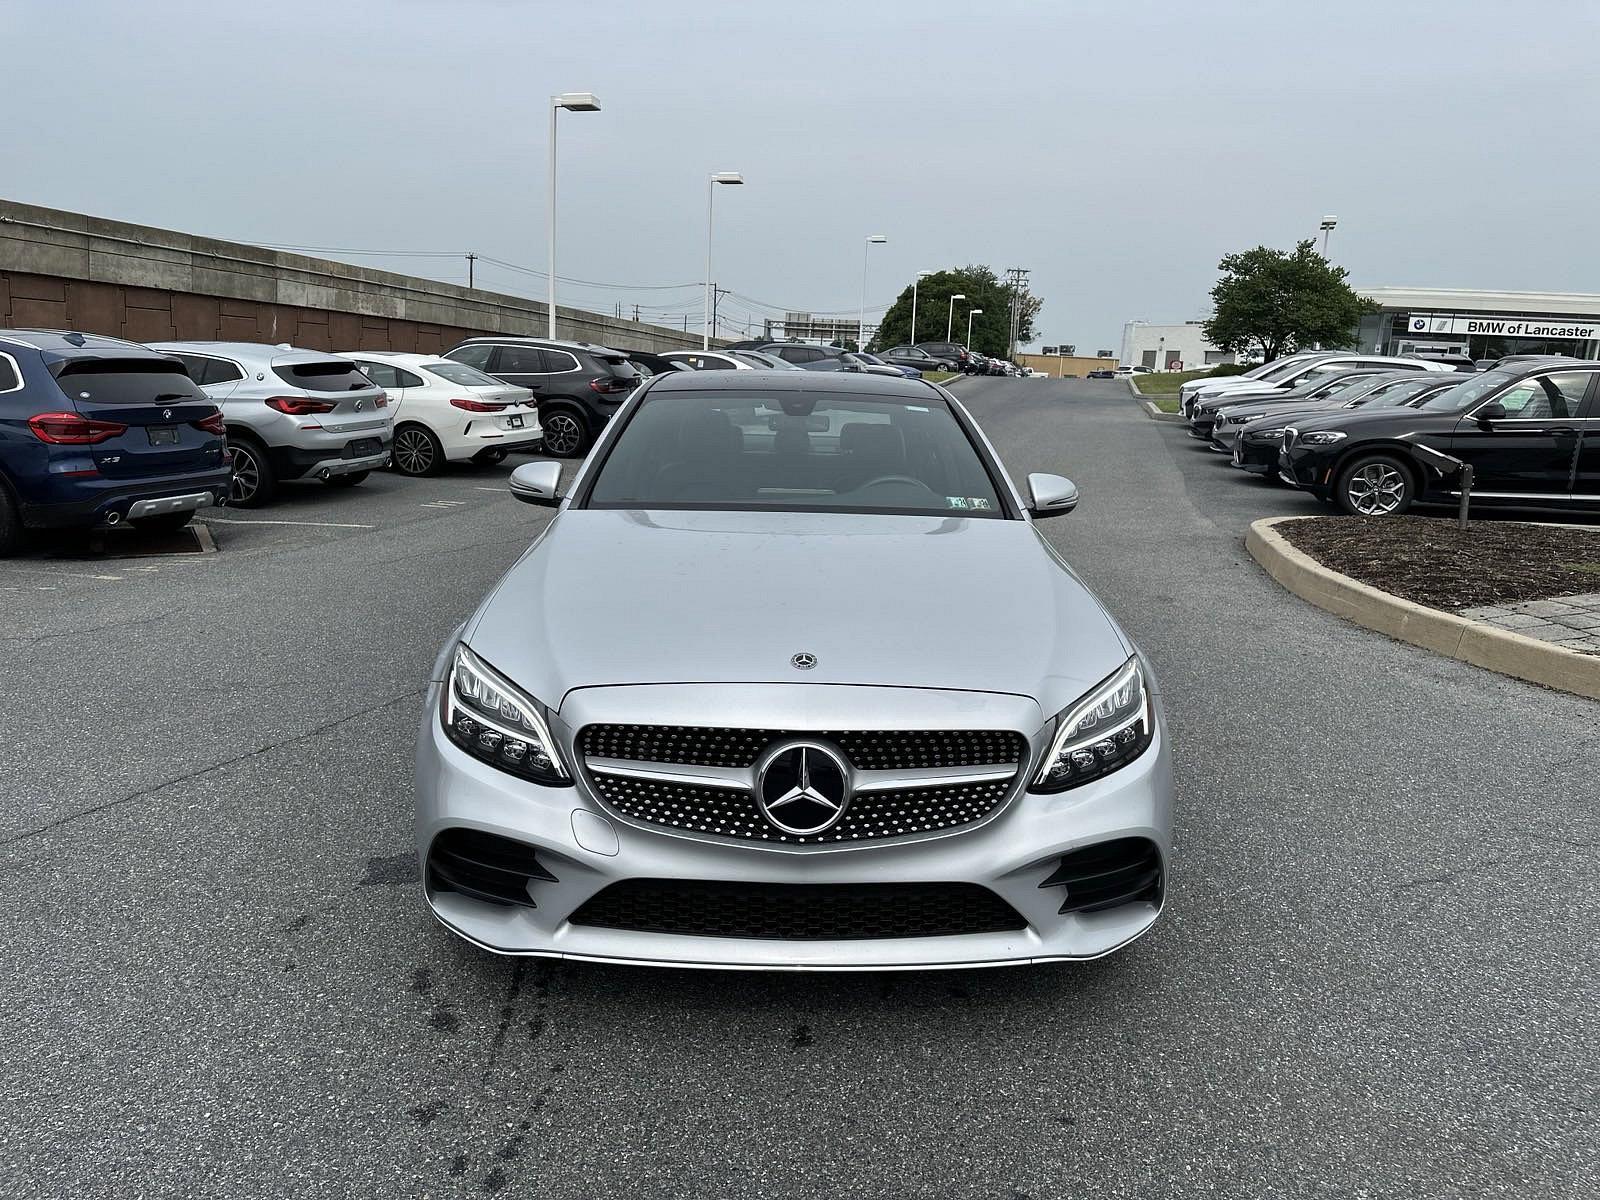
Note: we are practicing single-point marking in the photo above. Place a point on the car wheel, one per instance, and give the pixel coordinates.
(254, 481)
(10, 523)
(164, 523)
(417, 451)
(564, 434)
(1374, 485)
(350, 480)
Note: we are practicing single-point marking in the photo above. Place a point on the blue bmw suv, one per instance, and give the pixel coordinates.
(96, 431)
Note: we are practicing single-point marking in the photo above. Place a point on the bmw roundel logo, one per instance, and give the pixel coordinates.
(802, 787)
(1419, 324)
(360, 404)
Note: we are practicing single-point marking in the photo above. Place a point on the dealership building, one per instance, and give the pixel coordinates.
(1434, 321)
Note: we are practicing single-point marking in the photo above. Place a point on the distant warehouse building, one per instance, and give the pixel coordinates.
(1169, 347)
(1435, 321)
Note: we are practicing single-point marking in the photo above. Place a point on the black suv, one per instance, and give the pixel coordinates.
(1531, 433)
(812, 358)
(577, 385)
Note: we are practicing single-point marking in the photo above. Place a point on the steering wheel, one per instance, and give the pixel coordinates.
(883, 479)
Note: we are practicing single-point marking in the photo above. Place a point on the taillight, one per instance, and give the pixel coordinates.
(300, 406)
(477, 406)
(70, 429)
(610, 385)
(212, 424)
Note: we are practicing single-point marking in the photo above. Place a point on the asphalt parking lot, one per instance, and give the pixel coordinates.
(1376, 976)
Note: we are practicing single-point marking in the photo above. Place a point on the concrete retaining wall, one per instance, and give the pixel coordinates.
(63, 270)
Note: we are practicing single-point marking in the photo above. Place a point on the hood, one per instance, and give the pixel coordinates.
(611, 597)
(1235, 395)
(1378, 420)
(1225, 384)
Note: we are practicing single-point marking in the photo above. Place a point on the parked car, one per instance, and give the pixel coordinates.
(1316, 387)
(1522, 428)
(1101, 373)
(1255, 448)
(648, 363)
(96, 431)
(951, 352)
(915, 356)
(709, 360)
(812, 357)
(577, 385)
(762, 792)
(1262, 373)
(1204, 406)
(874, 365)
(290, 413)
(446, 411)
(763, 361)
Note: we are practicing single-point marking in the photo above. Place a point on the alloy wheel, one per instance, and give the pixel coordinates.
(562, 434)
(1376, 490)
(413, 452)
(246, 475)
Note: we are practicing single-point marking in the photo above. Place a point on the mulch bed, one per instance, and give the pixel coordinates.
(1436, 563)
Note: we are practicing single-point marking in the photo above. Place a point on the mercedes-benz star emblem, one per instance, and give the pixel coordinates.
(802, 788)
(803, 661)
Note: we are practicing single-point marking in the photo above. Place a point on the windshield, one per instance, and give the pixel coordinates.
(1281, 370)
(795, 452)
(454, 372)
(1466, 394)
(765, 361)
(1403, 393)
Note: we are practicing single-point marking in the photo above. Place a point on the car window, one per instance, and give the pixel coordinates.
(801, 354)
(126, 381)
(323, 375)
(10, 381)
(795, 452)
(453, 372)
(472, 356)
(1467, 393)
(1558, 395)
(381, 373)
(556, 361)
(220, 370)
(520, 360)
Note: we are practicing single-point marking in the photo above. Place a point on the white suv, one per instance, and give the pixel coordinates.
(290, 414)
(449, 412)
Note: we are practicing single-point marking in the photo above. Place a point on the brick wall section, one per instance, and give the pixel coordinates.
(61, 270)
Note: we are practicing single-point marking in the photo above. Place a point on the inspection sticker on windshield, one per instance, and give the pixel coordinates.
(965, 502)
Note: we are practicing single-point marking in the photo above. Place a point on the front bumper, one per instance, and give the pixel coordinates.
(587, 848)
(1260, 458)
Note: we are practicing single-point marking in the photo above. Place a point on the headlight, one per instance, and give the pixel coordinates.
(1243, 418)
(1266, 435)
(1107, 729)
(1322, 437)
(486, 715)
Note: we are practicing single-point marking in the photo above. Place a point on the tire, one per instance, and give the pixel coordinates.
(565, 433)
(164, 522)
(254, 481)
(416, 451)
(349, 480)
(1374, 485)
(10, 524)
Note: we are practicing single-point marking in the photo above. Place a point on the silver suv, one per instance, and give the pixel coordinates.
(290, 414)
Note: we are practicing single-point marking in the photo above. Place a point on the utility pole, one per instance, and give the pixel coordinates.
(717, 293)
(471, 259)
(635, 314)
(1017, 280)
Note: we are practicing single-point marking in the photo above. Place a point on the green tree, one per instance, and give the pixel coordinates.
(982, 289)
(1276, 302)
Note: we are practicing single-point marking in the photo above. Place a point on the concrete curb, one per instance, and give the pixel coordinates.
(1444, 633)
(1150, 405)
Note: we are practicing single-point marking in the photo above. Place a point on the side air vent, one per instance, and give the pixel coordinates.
(1108, 874)
(484, 866)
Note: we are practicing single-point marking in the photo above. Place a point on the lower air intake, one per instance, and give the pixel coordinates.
(798, 911)
(1107, 874)
(484, 866)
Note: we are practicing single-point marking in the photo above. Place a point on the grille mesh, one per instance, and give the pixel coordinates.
(798, 912)
(872, 816)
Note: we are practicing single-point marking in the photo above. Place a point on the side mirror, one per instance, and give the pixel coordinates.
(537, 483)
(1494, 411)
(1051, 496)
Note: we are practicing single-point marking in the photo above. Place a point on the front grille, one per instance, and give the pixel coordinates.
(1108, 874)
(798, 911)
(871, 816)
(484, 866)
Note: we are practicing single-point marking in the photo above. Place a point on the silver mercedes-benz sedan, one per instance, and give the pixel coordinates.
(792, 680)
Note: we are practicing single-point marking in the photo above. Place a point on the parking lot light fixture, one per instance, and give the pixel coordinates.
(950, 319)
(1329, 224)
(974, 312)
(876, 239)
(572, 102)
(918, 278)
(725, 177)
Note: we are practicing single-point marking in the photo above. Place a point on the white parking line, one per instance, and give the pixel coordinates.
(309, 524)
(442, 504)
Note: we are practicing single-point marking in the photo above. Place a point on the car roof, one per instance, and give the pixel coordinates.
(268, 351)
(399, 357)
(62, 345)
(891, 387)
(530, 340)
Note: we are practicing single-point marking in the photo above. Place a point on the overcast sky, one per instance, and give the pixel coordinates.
(1115, 148)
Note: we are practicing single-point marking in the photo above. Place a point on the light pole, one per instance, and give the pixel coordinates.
(876, 239)
(572, 102)
(919, 277)
(730, 177)
(1328, 225)
(972, 312)
(950, 317)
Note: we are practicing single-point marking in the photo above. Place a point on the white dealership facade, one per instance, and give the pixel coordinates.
(1434, 321)
(1169, 347)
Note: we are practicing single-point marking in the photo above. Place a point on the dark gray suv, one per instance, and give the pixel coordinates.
(812, 357)
(576, 385)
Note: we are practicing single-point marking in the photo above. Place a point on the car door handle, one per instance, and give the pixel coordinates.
(1563, 431)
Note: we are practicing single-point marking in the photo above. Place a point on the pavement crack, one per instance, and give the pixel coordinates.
(198, 772)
